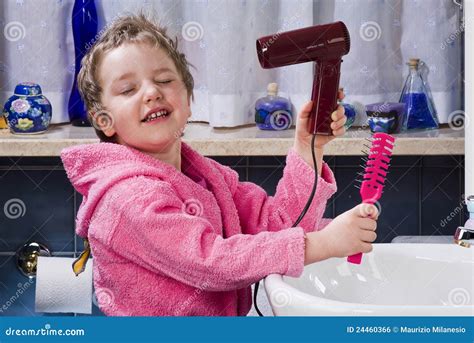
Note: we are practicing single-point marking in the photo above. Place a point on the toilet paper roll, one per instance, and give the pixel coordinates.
(58, 289)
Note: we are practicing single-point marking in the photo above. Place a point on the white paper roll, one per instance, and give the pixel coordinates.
(58, 289)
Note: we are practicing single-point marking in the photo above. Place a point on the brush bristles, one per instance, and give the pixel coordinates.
(378, 160)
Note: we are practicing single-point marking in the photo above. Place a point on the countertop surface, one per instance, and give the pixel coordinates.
(240, 141)
(424, 239)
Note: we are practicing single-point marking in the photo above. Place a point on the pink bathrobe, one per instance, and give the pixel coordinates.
(165, 244)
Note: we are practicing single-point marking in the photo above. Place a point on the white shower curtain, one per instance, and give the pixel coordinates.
(218, 37)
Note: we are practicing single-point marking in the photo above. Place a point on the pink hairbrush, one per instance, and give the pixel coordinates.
(374, 175)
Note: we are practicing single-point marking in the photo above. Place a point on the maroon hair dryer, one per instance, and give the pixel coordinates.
(323, 44)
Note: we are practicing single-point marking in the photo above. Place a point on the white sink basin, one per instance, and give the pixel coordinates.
(393, 280)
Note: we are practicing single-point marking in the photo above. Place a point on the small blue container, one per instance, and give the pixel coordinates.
(27, 111)
(386, 117)
(273, 112)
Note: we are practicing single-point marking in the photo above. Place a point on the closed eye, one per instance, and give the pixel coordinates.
(128, 91)
(165, 81)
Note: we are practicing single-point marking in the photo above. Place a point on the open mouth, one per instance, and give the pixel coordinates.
(156, 116)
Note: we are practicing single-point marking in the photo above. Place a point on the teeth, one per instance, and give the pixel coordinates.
(156, 115)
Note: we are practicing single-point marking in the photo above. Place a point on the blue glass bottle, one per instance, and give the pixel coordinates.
(420, 112)
(84, 29)
(273, 112)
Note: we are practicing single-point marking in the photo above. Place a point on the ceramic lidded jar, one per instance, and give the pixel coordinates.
(27, 111)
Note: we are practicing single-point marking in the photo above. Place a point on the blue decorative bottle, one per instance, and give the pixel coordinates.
(84, 29)
(273, 112)
(420, 112)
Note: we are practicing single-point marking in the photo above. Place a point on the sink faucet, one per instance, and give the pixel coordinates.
(466, 232)
(462, 235)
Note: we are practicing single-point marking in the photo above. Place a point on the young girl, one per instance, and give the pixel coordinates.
(174, 233)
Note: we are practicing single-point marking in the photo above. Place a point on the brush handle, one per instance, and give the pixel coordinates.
(355, 259)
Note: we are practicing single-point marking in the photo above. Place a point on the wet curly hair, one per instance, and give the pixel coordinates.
(131, 28)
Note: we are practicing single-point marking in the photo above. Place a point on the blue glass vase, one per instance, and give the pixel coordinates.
(84, 29)
(419, 105)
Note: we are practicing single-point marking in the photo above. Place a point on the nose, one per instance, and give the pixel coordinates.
(152, 93)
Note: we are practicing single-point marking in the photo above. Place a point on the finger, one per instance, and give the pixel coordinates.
(306, 109)
(338, 113)
(376, 213)
(366, 210)
(375, 217)
(338, 124)
(368, 236)
(370, 210)
(366, 248)
(342, 121)
(368, 224)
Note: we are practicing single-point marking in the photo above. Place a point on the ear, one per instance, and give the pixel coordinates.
(101, 123)
(109, 132)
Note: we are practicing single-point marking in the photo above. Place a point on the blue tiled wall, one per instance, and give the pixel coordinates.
(421, 194)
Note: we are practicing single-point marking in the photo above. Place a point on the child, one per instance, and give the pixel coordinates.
(174, 233)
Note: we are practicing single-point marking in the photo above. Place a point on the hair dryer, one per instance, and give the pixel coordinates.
(323, 44)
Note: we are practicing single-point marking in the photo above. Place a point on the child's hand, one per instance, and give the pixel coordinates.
(302, 135)
(349, 233)
(303, 138)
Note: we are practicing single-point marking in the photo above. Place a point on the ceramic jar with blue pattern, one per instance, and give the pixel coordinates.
(27, 111)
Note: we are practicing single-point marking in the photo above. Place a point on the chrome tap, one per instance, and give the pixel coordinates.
(462, 235)
(465, 233)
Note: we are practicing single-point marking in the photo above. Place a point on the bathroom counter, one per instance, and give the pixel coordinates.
(424, 239)
(240, 141)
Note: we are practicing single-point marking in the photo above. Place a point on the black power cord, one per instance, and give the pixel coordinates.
(308, 204)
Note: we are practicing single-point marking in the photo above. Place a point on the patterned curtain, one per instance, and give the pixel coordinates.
(218, 37)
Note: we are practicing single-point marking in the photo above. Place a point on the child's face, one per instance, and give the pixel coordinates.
(137, 79)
